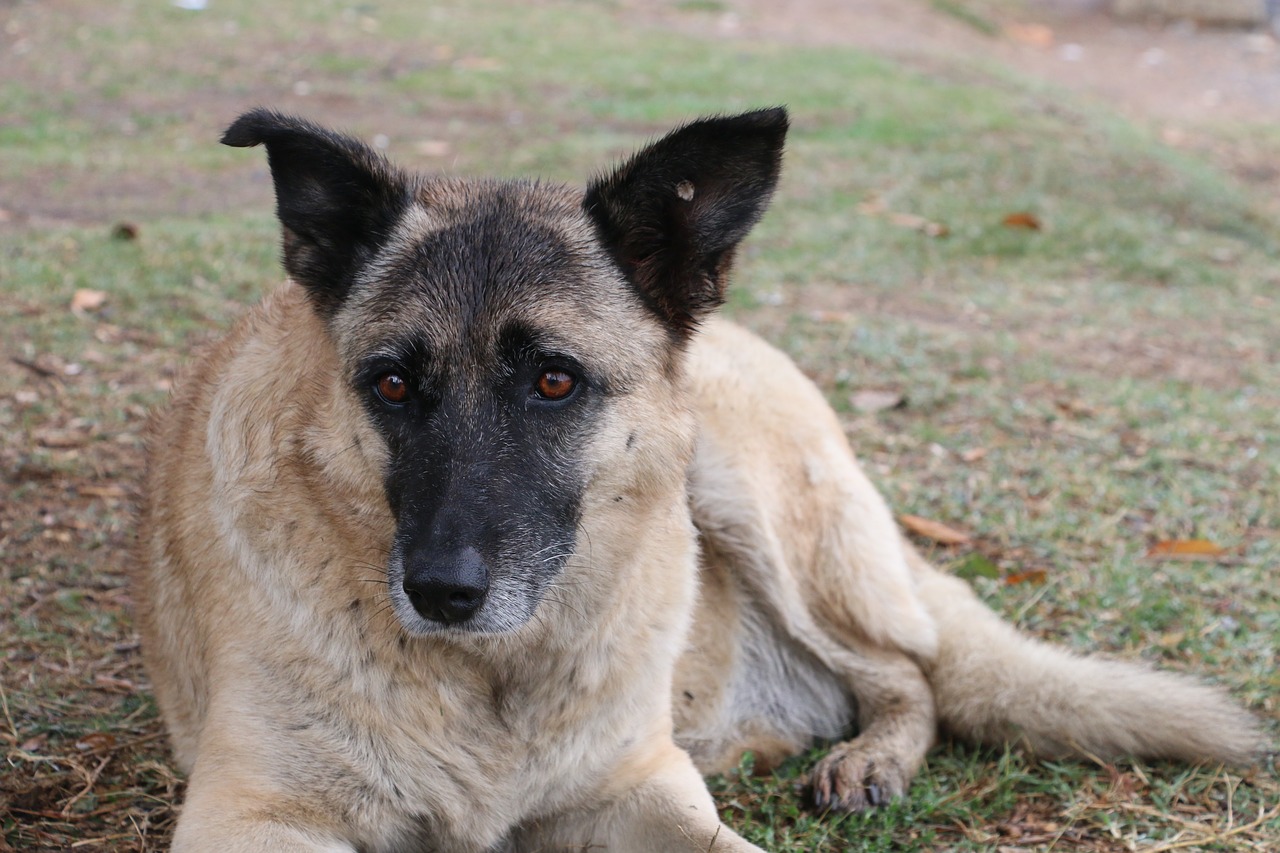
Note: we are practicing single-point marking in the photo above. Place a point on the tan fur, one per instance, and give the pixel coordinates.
(737, 584)
(796, 543)
(796, 539)
(301, 712)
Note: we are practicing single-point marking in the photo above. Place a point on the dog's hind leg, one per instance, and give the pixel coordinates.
(816, 640)
(778, 496)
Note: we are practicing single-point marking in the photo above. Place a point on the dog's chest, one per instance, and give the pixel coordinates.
(444, 758)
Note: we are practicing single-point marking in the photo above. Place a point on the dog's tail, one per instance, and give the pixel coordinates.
(993, 684)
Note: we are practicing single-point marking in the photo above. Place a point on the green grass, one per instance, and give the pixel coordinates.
(1073, 394)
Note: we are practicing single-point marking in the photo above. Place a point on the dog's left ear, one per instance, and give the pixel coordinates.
(673, 214)
(338, 200)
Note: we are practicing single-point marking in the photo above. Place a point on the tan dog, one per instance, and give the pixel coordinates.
(480, 534)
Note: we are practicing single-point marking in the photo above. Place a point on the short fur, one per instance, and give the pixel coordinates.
(397, 591)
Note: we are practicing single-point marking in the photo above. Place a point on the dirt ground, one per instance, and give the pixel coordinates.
(1171, 71)
(1188, 79)
(1203, 88)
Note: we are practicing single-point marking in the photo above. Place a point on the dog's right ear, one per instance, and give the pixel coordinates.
(338, 201)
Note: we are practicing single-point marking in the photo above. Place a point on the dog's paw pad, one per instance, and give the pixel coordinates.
(853, 779)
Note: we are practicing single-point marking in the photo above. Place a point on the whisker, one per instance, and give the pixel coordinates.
(568, 545)
(562, 603)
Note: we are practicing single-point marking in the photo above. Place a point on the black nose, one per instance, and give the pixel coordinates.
(449, 587)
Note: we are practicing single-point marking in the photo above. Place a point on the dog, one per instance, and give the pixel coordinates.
(484, 533)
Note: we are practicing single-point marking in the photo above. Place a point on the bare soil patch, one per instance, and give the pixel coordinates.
(1169, 71)
(1203, 88)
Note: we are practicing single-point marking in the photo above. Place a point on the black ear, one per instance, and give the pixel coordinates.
(673, 214)
(337, 200)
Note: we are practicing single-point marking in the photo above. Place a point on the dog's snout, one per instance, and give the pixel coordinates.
(449, 587)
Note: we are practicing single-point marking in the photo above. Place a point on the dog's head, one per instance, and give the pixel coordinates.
(516, 346)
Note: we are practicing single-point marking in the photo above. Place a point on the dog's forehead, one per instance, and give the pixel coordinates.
(468, 260)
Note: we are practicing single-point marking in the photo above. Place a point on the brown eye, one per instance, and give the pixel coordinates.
(392, 389)
(554, 385)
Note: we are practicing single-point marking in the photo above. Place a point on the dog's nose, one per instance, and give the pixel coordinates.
(448, 588)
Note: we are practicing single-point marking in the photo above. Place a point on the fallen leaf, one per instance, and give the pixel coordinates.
(125, 231)
(1024, 220)
(934, 531)
(1077, 408)
(434, 148)
(974, 454)
(60, 439)
(875, 206)
(84, 300)
(113, 684)
(919, 223)
(108, 491)
(35, 743)
(976, 566)
(832, 316)
(1029, 576)
(1185, 549)
(876, 401)
(96, 741)
(1035, 35)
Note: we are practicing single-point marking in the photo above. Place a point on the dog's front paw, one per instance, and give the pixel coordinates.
(854, 777)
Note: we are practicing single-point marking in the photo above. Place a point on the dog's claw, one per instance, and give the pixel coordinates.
(850, 779)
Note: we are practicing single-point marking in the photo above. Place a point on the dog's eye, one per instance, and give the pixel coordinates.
(392, 388)
(554, 384)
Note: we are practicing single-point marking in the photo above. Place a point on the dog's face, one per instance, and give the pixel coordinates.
(492, 331)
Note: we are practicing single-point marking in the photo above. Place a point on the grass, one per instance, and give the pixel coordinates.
(1073, 394)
